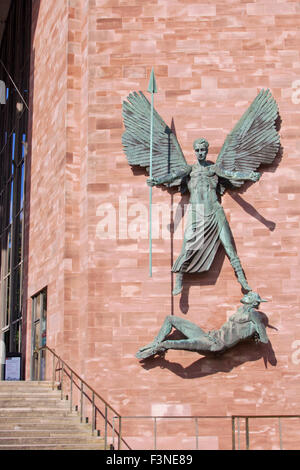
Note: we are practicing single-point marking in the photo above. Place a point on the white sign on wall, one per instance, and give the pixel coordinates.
(13, 368)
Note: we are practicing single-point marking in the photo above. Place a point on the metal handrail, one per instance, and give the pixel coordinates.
(65, 369)
(234, 419)
(247, 427)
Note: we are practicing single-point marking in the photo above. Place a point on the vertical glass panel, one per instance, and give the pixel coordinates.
(8, 251)
(17, 294)
(22, 186)
(37, 308)
(7, 300)
(44, 319)
(19, 238)
(1, 213)
(11, 201)
(6, 340)
(23, 145)
(16, 337)
(19, 336)
(37, 336)
(13, 152)
(1, 257)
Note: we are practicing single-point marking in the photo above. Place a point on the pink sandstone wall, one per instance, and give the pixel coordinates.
(45, 194)
(210, 60)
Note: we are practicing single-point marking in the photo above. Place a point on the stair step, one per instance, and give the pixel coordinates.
(69, 439)
(34, 393)
(5, 433)
(34, 420)
(43, 413)
(25, 383)
(98, 447)
(32, 403)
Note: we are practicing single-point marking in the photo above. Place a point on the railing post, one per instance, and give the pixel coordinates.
(120, 433)
(62, 381)
(155, 435)
(280, 433)
(81, 401)
(53, 372)
(71, 392)
(93, 414)
(105, 428)
(233, 431)
(113, 432)
(197, 433)
(247, 434)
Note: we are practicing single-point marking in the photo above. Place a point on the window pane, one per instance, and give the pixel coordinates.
(11, 201)
(8, 251)
(1, 213)
(37, 312)
(7, 300)
(16, 335)
(36, 340)
(22, 187)
(44, 319)
(17, 294)
(19, 238)
(13, 148)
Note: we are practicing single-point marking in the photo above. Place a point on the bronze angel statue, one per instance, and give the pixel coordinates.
(253, 141)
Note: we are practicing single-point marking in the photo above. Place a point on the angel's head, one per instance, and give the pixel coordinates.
(201, 148)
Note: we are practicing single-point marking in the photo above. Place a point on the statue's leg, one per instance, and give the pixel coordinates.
(177, 268)
(194, 335)
(178, 284)
(204, 343)
(189, 329)
(150, 349)
(226, 240)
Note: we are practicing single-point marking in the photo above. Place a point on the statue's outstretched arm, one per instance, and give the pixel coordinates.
(170, 177)
(237, 175)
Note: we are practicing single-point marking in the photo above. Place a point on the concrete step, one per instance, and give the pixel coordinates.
(41, 432)
(68, 439)
(53, 447)
(47, 427)
(33, 404)
(49, 420)
(33, 412)
(26, 383)
(7, 401)
(35, 393)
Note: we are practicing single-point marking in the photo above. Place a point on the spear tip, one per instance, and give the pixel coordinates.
(152, 88)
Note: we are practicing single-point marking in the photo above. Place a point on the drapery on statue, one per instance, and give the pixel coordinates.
(252, 142)
(244, 324)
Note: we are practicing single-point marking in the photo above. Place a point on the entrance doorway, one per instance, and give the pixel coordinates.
(39, 335)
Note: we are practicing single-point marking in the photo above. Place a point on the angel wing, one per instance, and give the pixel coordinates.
(167, 155)
(254, 140)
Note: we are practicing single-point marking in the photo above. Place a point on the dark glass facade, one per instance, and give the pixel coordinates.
(14, 71)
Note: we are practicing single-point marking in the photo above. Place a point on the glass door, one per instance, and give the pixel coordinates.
(39, 335)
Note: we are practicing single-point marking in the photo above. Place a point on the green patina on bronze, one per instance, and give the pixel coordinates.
(253, 141)
(246, 323)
